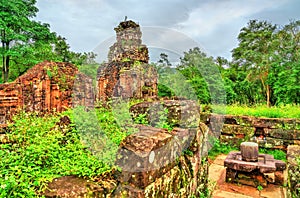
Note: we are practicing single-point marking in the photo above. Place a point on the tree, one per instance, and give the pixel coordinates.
(62, 49)
(164, 60)
(285, 73)
(255, 52)
(165, 76)
(204, 75)
(18, 31)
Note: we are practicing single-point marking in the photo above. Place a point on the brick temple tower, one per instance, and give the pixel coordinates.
(127, 73)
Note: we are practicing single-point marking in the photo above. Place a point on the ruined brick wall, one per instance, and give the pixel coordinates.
(127, 73)
(48, 86)
(9, 100)
(267, 132)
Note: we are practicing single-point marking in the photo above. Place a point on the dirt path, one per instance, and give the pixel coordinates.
(217, 173)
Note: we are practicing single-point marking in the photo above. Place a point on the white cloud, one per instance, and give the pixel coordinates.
(213, 23)
(209, 16)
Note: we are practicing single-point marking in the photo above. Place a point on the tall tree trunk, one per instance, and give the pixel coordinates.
(6, 60)
(268, 95)
(5, 70)
(266, 87)
(3, 63)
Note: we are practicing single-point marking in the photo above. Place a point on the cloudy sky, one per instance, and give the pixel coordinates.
(172, 26)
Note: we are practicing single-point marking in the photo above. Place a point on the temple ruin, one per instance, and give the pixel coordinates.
(48, 86)
(127, 73)
(54, 86)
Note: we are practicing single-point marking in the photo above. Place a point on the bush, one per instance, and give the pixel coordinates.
(219, 148)
(278, 154)
(41, 152)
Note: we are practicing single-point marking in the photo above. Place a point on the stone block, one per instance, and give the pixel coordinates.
(264, 164)
(150, 153)
(72, 186)
(272, 142)
(180, 113)
(232, 140)
(293, 153)
(280, 165)
(275, 123)
(287, 134)
(237, 129)
(239, 120)
(216, 123)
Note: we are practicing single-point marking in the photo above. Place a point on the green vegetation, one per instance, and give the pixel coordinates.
(141, 119)
(26, 42)
(41, 151)
(278, 154)
(262, 80)
(264, 69)
(162, 121)
(219, 148)
(126, 59)
(282, 111)
(259, 188)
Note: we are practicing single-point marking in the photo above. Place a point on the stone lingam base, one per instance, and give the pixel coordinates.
(259, 171)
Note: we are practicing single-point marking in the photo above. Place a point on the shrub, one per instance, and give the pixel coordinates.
(219, 148)
(41, 152)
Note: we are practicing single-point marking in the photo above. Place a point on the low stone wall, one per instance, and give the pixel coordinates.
(267, 132)
(154, 163)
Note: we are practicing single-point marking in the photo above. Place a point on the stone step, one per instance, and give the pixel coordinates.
(273, 191)
(217, 173)
(225, 194)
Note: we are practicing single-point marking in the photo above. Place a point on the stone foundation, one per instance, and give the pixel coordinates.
(267, 132)
(255, 173)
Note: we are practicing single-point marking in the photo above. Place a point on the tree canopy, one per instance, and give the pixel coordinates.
(19, 32)
(265, 68)
(26, 42)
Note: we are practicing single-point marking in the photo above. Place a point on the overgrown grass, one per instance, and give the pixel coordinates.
(41, 151)
(284, 111)
(220, 148)
(278, 154)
